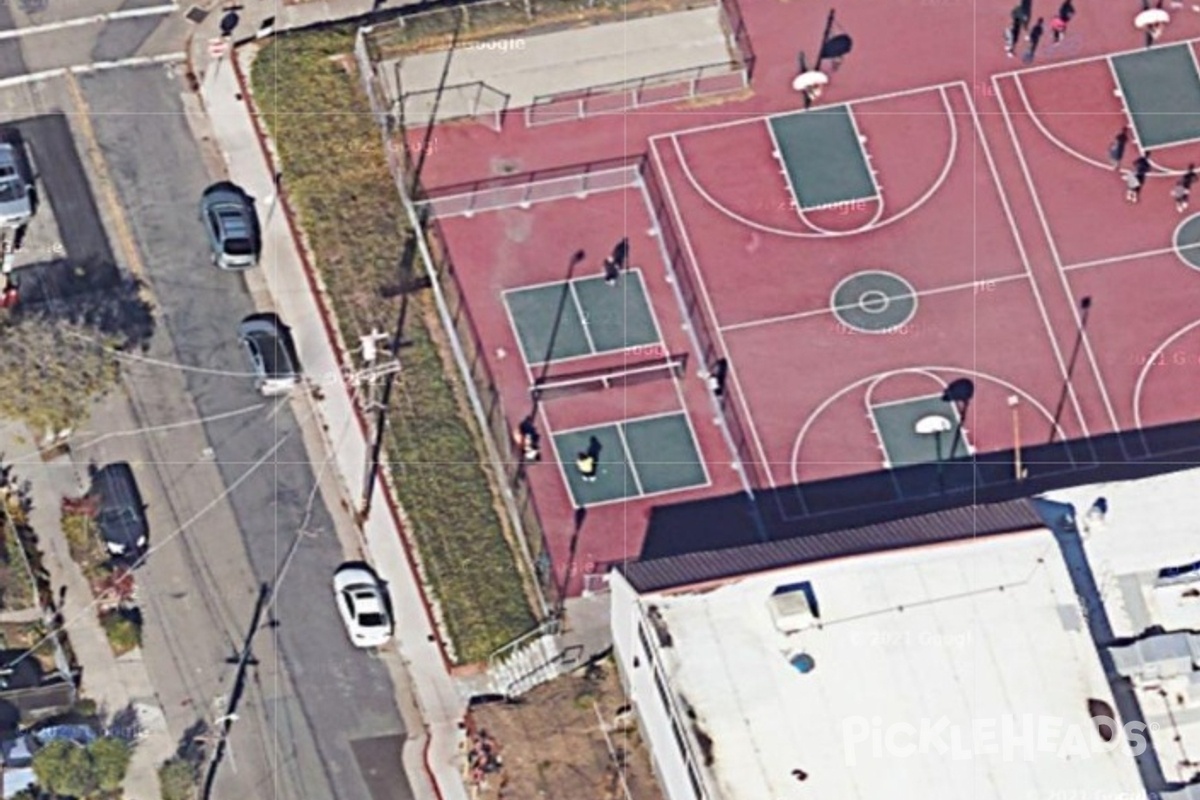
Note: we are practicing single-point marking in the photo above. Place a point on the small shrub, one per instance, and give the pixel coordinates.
(123, 629)
(177, 780)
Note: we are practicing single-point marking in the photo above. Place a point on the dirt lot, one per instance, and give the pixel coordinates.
(552, 746)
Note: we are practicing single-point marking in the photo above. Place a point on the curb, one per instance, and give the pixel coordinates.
(331, 334)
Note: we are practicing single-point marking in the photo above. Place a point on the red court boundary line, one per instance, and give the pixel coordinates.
(1062, 277)
(529, 365)
(641, 495)
(1020, 242)
(830, 309)
(763, 117)
(885, 374)
(1145, 372)
(821, 233)
(739, 397)
(1088, 59)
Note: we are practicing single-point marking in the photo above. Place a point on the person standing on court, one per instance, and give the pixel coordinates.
(1133, 185)
(1061, 20)
(611, 271)
(586, 464)
(1020, 21)
(1035, 36)
(1182, 190)
(1116, 150)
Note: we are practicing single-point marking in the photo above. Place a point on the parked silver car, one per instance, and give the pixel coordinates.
(231, 225)
(16, 205)
(269, 347)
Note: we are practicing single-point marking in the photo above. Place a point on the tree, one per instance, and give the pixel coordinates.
(65, 768)
(177, 779)
(51, 370)
(110, 760)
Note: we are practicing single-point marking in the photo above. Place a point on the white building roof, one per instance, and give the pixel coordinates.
(980, 645)
(1150, 525)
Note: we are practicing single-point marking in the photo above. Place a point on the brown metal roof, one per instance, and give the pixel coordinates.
(963, 522)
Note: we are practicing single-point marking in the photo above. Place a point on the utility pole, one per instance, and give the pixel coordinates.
(369, 377)
(244, 660)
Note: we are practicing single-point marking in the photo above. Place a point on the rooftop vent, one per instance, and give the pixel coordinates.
(793, 607)
(802, 662)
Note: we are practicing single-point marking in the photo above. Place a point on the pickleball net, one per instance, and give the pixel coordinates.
(597, 380)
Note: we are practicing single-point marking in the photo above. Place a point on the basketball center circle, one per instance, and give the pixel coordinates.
(875, 302)
(1187, 241)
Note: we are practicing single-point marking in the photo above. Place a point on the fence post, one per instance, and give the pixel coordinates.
(694, 89)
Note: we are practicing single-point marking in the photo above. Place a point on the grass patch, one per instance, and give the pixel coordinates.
(123, 628)
(335, 173)
(16, 585)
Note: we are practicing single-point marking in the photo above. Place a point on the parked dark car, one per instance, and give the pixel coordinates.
(231, 225)
(121, 516)
(269, 346)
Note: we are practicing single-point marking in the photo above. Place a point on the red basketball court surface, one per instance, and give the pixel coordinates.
(1071, 312)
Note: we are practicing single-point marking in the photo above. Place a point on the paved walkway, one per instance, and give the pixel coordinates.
(441, 705)
(115, 684)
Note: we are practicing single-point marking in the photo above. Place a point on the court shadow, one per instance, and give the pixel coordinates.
(817, 508)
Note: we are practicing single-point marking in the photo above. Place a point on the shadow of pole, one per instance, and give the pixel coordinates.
(576, 258)
(1085, 306)
(569, 573)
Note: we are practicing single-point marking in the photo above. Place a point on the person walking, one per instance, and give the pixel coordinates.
(1035, 36)
(1141, 166)
(1116, 150)
(586, 464)
(1182, 191)
(1133, 186)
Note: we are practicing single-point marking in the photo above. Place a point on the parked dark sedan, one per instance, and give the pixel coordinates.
(121, 515)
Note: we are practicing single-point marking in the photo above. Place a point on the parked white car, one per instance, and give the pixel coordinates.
(360, 601)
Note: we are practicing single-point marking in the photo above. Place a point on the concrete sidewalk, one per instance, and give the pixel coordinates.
(283, 270)
(115, 684)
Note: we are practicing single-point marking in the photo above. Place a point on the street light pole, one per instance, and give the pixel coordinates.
(1018, 468)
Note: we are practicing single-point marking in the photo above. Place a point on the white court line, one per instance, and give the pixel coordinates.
(1100, 262)
(1012, 224)
(1150, 362)
(687, 417)
(906, 400)
(583, 320)
(760, 117)
(952, 152)
(976, 284)
(1086, 60)
(819, 410)
(1062, 278)
(1133, 128)
(512, 324)
(78, 22)
(714, 402)
(669, 197)
(642, 284)
(637, 480)
(1033, 116)
(642, 418)
(86, 69)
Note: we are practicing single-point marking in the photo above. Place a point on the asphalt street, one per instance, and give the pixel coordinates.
(342, 698)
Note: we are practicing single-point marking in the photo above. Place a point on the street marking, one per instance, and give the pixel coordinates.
(107, 191)
(98, 19)
(218, 47)
(86, 69)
